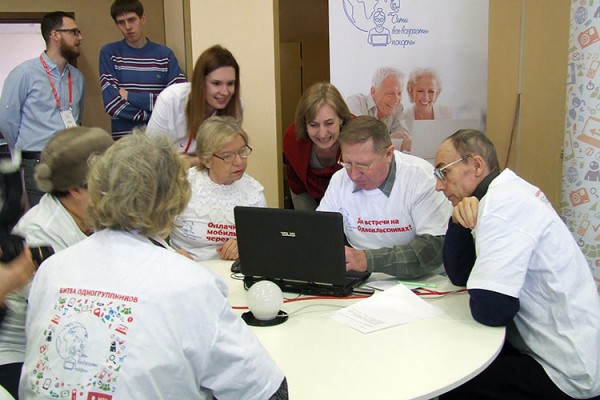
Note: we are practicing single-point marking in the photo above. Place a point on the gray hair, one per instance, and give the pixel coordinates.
(420, 73)
(383, 73)
(472, 142)
(214, 134)
(139, 184)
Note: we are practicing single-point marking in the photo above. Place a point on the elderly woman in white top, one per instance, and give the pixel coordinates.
(424, 87)
(59, 220)
(206, 229)
(119, 315)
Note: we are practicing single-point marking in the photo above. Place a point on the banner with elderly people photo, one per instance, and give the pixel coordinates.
(420, 66)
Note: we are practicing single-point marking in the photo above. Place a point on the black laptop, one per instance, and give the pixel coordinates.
(301, 251)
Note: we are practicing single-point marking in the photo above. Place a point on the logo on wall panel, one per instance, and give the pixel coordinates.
(588, 37)
(591, 132)
(382, 22)
(581, 192)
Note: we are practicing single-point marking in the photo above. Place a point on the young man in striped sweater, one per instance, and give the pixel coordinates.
(133, 71)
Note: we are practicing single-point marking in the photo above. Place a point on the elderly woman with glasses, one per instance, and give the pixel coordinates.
(206, 229)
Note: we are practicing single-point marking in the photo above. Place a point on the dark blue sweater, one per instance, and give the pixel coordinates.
(487, 307)
(144, 73)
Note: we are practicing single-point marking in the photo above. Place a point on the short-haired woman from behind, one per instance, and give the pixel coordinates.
(120, 313)
(59, 220)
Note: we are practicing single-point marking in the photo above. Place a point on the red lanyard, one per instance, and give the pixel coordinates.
(187, 147)
(54, 89)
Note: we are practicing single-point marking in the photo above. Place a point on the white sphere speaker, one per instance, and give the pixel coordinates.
(265, 300)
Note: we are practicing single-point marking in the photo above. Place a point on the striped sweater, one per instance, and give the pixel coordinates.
(144, 73)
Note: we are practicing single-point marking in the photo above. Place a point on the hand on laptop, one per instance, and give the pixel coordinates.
(229, 250)
(356, 260)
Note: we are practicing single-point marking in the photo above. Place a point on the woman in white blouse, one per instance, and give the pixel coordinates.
(206, 229)
(214, 90)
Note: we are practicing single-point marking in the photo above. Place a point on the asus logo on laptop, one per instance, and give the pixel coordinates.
(288, 234)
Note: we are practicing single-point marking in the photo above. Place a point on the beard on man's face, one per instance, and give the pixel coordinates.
(69, 52)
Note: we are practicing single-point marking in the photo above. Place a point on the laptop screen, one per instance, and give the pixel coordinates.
(427, 135)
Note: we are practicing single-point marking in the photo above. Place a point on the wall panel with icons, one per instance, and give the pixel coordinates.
(580, 206)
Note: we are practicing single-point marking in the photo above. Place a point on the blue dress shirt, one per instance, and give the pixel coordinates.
(29, 115)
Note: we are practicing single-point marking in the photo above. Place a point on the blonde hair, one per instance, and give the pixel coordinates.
(311, 102)
(214, 134)
(139, 183)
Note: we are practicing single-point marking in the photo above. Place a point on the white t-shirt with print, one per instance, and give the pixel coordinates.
(524, 250)
(46, 224)
(373, 220)
(208, 220)
(117, 317)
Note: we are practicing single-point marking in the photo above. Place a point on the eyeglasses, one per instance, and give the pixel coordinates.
(359, 167)
(74, 31)
(228, 157)
(440, 172)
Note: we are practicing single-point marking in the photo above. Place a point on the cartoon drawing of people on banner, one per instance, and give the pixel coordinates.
(390, 59)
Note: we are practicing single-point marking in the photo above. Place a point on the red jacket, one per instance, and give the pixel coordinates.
(301, 177)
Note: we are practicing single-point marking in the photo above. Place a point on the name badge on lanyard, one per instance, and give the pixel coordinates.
(66, 115)
(68, 118)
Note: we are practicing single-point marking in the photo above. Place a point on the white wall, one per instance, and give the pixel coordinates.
(22, 42)
(175, 23)
(249, 30)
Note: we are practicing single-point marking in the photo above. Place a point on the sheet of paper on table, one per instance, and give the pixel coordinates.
(395, 306)
(380, 281)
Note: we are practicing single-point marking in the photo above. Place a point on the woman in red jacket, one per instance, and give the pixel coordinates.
(310, 145)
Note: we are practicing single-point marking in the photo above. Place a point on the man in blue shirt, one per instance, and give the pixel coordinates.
(43, 95)
(134, 71)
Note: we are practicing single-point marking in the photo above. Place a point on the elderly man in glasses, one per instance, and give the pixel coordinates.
(43, 95)
(393, 218)
(523, 270)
